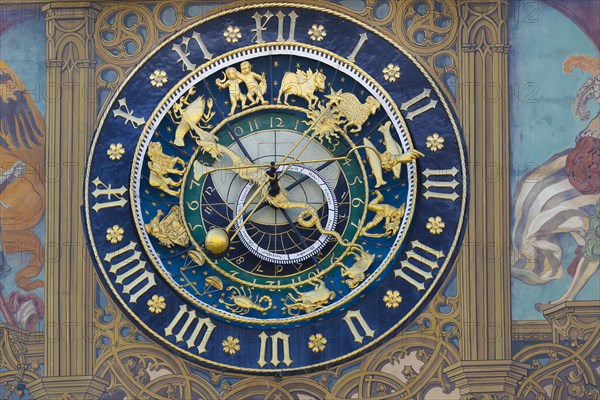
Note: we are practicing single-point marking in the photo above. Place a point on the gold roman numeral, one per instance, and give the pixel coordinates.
(131, 272)
(410, 115)
(420, 264)
(193, 325)
(275, 339)
(440, 188)
(261, 26)
(114, 195)
(183, 50)
(358, 338)
(362, 38)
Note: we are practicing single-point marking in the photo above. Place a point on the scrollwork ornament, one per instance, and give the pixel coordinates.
(430, 33)
(569, 373)
(17, 367)
(124, 35)
(168, 17)
(427, 25)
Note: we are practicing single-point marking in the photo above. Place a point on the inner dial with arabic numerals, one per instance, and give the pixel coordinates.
(273, 187)
(280, 235)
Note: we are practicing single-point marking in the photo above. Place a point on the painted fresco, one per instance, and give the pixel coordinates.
(22, 170)
(555, 150)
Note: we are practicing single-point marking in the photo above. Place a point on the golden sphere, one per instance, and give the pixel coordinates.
(216, 241)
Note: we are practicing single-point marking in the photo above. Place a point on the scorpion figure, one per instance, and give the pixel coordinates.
(242, 302)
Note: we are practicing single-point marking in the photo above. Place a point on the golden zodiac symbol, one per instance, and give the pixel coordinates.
(302, 84)
(232, 81)
(328, 125)
(170, 230)
(357, 272)
(197, 257)
(393, 217)
(311, 300)
(160, 166)
(212, 284)
(193, 116)
(243, 303)
(352, 110)
(256, 84)
(391, 158)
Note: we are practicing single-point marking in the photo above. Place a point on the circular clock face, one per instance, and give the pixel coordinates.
(275, 189)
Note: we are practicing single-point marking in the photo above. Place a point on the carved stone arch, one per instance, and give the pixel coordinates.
(483, 36)
(143, 369)
(365, 385)
(67, 44)
(486, 26)
(568, 370)
(269, 388)
(70, 57)
(305, 385)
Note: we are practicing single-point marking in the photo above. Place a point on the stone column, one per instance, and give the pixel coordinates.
(486, 370)
(70, 120)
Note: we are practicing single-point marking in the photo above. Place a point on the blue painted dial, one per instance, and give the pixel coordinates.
(280, 200)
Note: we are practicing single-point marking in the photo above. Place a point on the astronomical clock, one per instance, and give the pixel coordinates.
(275, 189)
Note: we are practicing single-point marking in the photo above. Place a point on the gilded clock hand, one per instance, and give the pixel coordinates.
(277, 192)
(204, 170)
(310, 127)
(274, 188)
(217, 240)
(308, 218)
(387, 160)
(278, 197)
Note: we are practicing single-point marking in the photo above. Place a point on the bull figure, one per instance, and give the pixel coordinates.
(302, 84)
